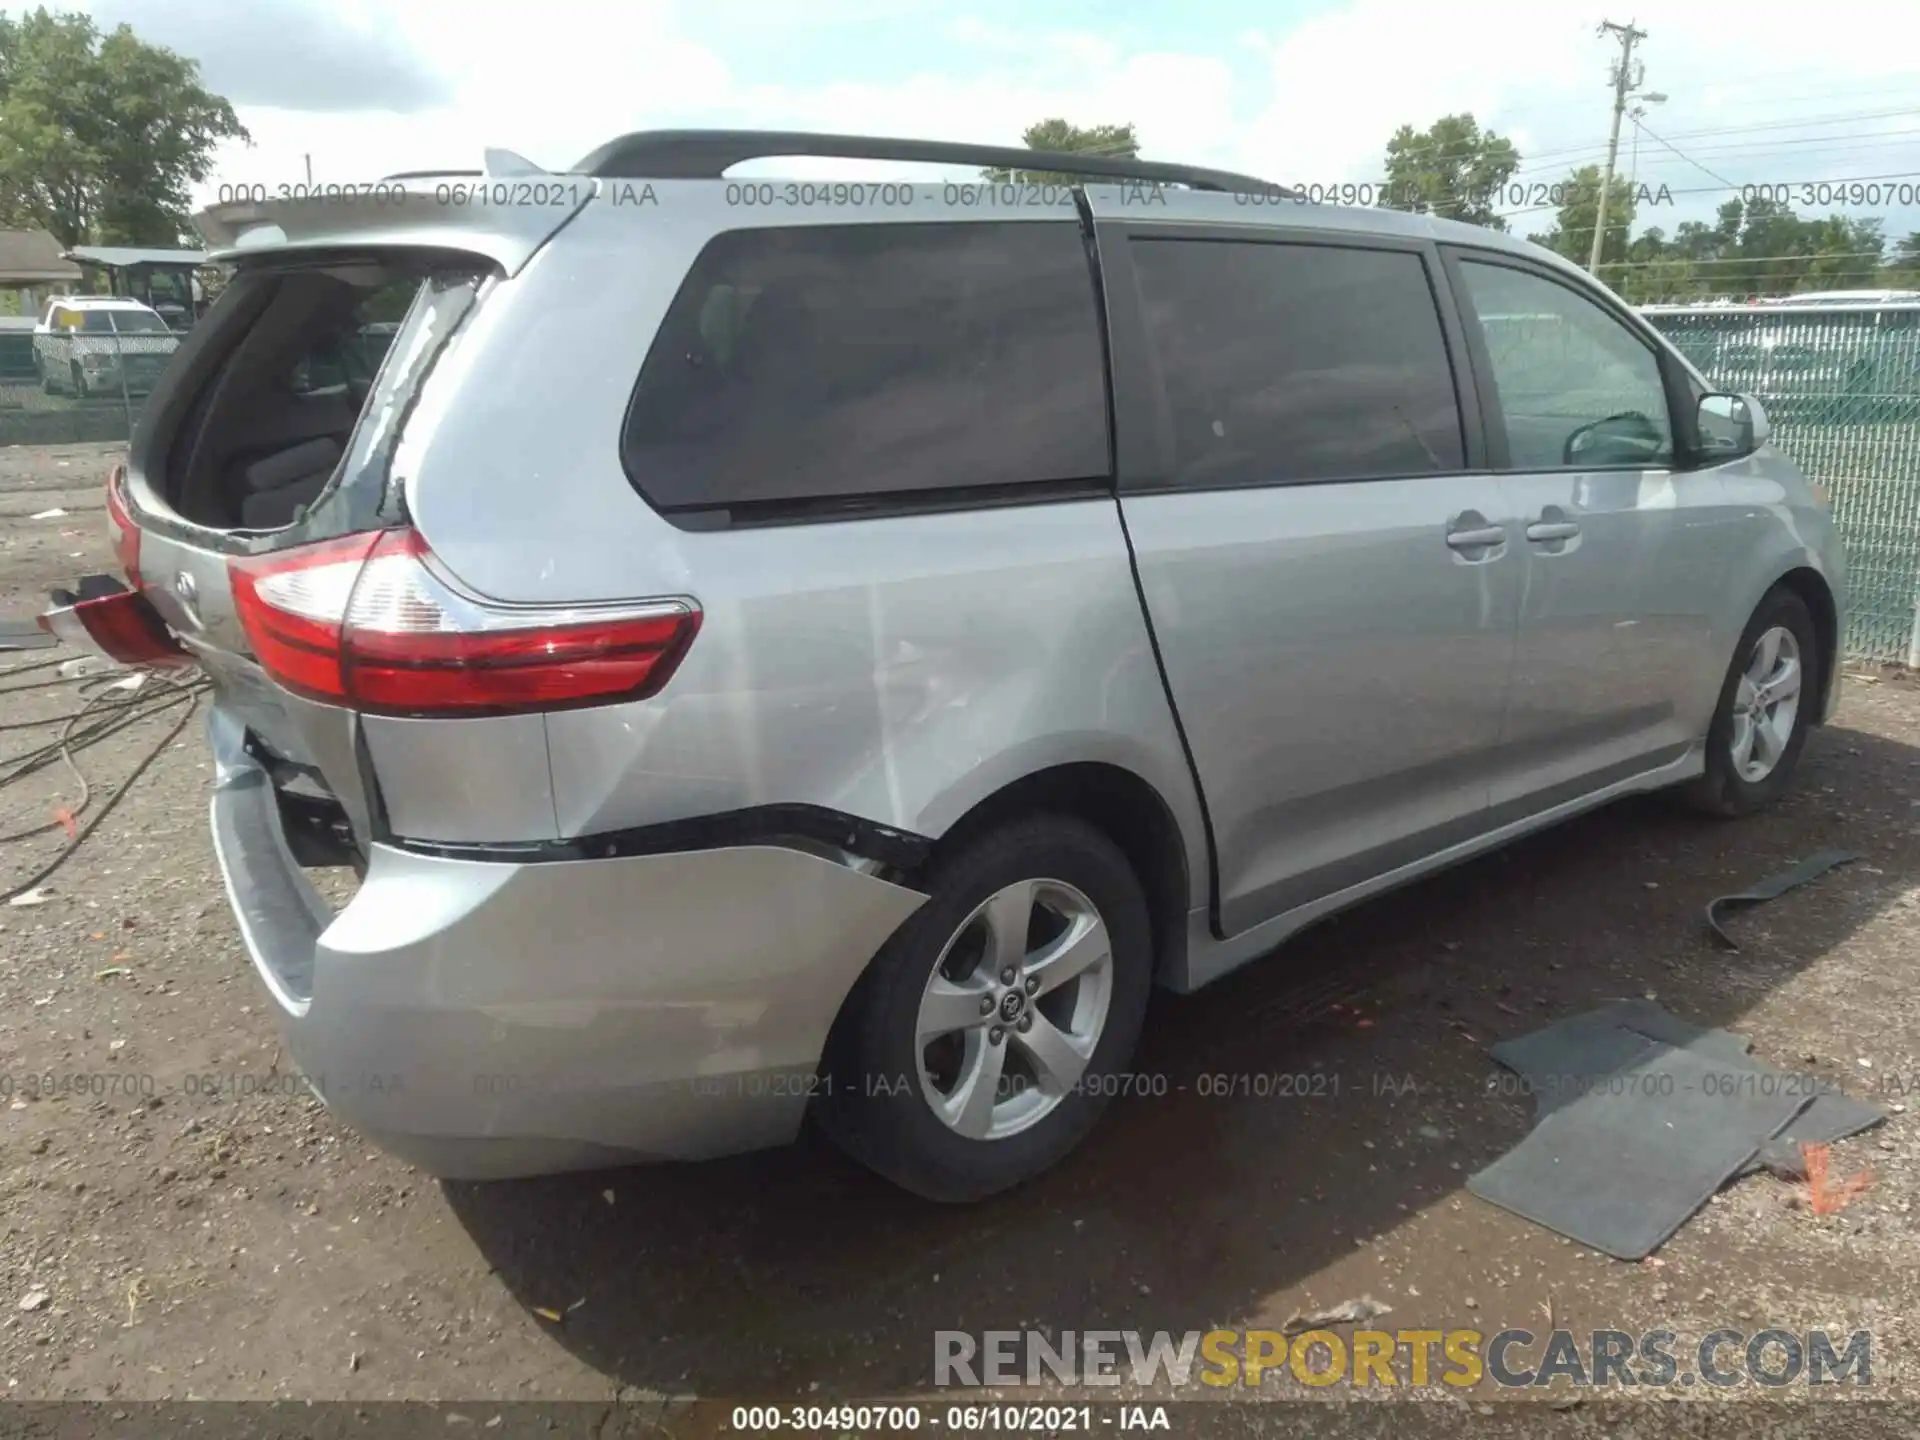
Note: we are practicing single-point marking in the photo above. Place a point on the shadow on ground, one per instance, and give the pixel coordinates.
(769, 1274)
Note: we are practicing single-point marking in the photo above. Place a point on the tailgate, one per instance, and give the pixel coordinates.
(190, 589)
(276, 427)
(280, 440)
(310, 746)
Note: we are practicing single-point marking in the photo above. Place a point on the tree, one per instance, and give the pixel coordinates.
(1117, 142)
(1760, 246)
(1903, 272)
(1658, 271)
(1579, 212)
(1452, 169)
(1755, 246)
(101, 137)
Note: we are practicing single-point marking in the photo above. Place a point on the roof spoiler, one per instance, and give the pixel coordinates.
(421, 210)
(493, 162)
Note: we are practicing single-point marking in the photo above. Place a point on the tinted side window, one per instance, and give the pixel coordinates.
(1576, 387)
(862, 360)
(1298, 362)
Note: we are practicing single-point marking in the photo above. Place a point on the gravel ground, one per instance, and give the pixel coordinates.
(240, 1244)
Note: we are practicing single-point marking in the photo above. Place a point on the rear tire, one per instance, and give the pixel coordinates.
(955, 1082)
(1766, 707)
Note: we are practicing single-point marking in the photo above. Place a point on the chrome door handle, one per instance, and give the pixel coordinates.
(1552, 530)
(1476, 539)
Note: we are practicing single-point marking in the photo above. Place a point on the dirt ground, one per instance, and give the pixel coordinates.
(243, 1245)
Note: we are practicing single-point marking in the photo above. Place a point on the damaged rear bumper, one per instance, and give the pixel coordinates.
(486, 1019)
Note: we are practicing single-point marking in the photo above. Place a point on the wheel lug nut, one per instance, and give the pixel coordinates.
(1007, 975)
(996, 1035)
(1026, 1023)
(986, 1004)
(1033, 984)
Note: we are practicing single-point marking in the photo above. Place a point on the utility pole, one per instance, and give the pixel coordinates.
(309, 158)
(1624, 80)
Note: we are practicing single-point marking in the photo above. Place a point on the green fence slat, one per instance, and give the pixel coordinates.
(1842, 389)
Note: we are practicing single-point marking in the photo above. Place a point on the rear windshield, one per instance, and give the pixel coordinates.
(861, 362)
(138, 322)
(295, 362)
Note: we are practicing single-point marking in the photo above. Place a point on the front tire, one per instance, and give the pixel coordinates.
(1766, 707)
(981, 1045)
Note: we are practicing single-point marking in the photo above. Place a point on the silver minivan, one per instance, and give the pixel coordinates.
(782, 649)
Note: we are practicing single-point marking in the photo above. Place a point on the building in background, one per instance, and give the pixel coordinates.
(32, 268)
(162, 280)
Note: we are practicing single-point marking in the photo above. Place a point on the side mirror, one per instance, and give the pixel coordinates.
(1731, 427)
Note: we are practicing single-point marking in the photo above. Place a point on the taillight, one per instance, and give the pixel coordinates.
(126, 535)
(367, 621)
(123, 627)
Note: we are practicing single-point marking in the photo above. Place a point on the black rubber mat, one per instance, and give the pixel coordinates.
(1622, 1165)
(1566, 1058)
(1831, 1116)
(1772, 888)
(1561, 1061)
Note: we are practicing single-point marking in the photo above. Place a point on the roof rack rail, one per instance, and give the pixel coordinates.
(426, 174)
(709, 154)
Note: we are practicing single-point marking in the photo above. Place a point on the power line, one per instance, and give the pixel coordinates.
(1595, 151)
(1539, 159)
(1642, 129)
(1785, 151)
(1721, 189)
(1808, 142)
(1755, 260)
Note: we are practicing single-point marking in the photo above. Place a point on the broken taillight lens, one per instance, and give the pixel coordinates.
(123, 627)
(369, 622)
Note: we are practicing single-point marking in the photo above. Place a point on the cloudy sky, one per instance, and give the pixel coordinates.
(1298, 92)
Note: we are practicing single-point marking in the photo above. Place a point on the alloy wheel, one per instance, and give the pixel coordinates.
(1766, 703)
(1014, 1008)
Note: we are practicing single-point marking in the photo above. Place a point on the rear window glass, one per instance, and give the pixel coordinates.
(1288, 363)
(138, 322)
(349, 355)
(294, 359)
(862, 361)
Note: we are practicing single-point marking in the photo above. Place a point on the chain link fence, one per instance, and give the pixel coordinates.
(1842, 388)
(60, 388)
(78, 387)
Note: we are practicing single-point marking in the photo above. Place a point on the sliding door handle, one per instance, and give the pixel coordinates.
(1552, 530)
(1476, 539)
